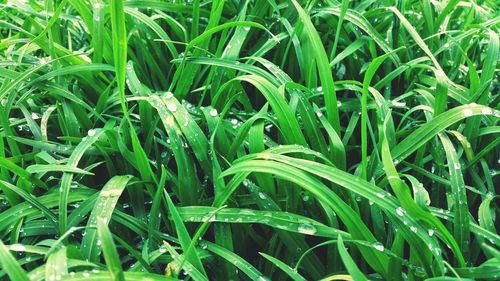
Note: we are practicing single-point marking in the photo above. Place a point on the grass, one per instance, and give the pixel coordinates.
(249, 140)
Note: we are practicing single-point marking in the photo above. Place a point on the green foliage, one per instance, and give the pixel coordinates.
(249, 140)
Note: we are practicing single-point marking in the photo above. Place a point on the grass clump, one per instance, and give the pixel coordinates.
(249, 140)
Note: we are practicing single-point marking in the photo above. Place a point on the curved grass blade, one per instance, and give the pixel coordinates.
(283, 266)
(103, 208)
(349, 263)
(111, 257)
(10, 265)
(67, 178)
(321, 58)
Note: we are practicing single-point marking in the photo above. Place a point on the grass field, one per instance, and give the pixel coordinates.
(249, 140)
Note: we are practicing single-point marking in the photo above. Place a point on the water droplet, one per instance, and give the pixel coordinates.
(430, 232)
(319, 114)
(262, 195)
(486, 111)
(172, 107)
(91, 132)
(308, 229)
(169, 95)
(380, 195)
(213, 112)
(17, 248)
(400, 211)
(413, 228)
(378, 246)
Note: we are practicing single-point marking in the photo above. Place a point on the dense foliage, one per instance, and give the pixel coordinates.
(249, 140)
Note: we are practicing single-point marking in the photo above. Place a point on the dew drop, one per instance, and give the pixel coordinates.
(486, 111)
(400, 211)
(467, 112)
(262, 195)
(307, 229)
(17, 248)
(172, 107)
(213, 112)
(378, 246)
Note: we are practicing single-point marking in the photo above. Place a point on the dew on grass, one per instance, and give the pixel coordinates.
(308, 229)
(213, 112)
(169, 95)
(467, 112)
(172, 107)
(486, 111)
(17, 248)
(400, 211)
(378, 246)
